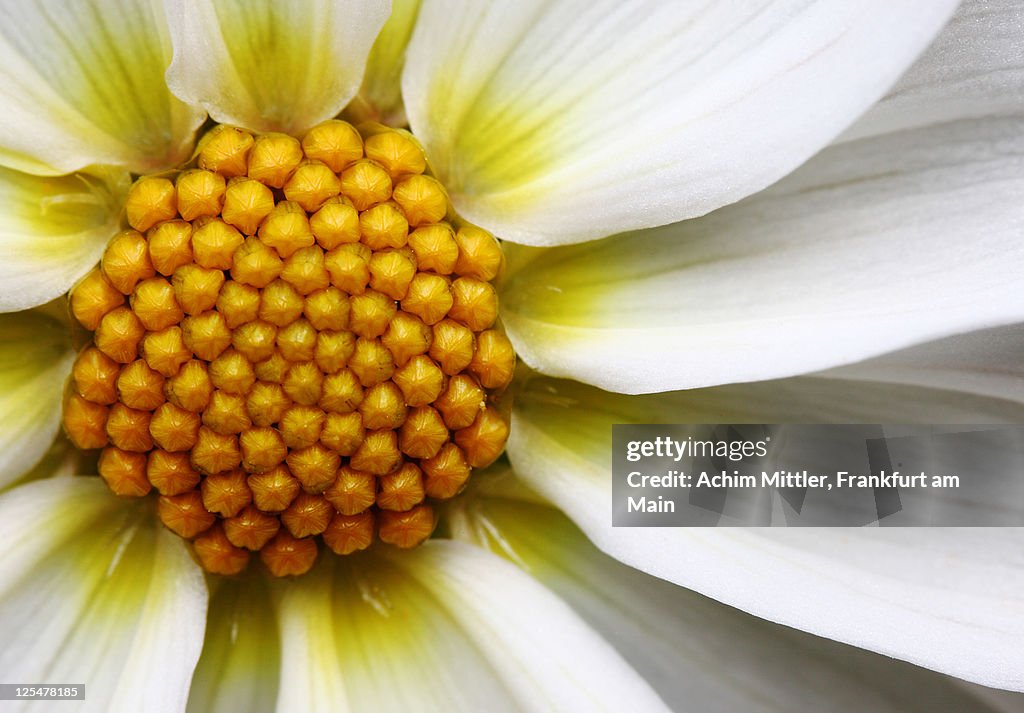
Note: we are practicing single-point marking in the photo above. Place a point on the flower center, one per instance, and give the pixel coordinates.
(294, 340)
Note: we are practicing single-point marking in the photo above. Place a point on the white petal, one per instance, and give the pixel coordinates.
(271, 66)
(241, 659)
(950, 599)
(35, 361)
(83, 84)
(382, 86)
(872, 246)
(698, 654)
(986, 362)
(557, 122)
(94, 591)
(62, 459)
(974, 68)
(445, 628)
(52, 231)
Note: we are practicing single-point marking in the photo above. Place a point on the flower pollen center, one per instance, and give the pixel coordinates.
(294, 340)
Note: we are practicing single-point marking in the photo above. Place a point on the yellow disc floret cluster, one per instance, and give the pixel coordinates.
(294, 340)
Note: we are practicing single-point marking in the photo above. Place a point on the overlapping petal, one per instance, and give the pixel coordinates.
(271, 66)
(987, 362)
(52, 230)
(445, 628)
(698, 654)
(241, 658)
(83, 83)
(874, 245)
(948, 598)
(94, 591)
(557, 122)
(975, 68)
(61, 459)
(35, 359)
(382, 81)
